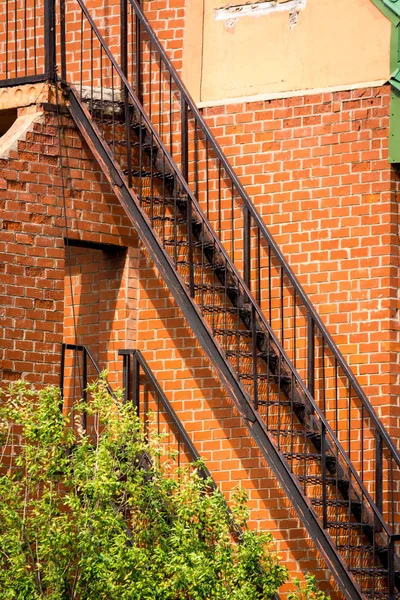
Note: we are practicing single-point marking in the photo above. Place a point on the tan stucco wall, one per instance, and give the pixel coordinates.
(335, 43)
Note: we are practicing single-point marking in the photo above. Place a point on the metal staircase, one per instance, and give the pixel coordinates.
(298, 397)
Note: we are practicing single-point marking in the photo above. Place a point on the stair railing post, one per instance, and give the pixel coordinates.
(323, 463)
(50, 38)
(84, 385)
(391, 571)
(379, 472)
(311, 355)
(139, 61)
(62, 375)
(124, 36)
(135, 383)
(126, 367)
(246, 248)
(184, 139)
(63, 42)
(185, 173)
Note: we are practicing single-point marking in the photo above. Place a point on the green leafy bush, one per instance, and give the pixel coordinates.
(308, 590)
(80, 518)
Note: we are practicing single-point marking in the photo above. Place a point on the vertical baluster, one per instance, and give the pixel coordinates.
(349, 421)
(91, 71)
(84, 386)
(391, 481)
(124, 36)
(101, 92)
(150, 78)
(126, 367)
(292, 421)
(349, 476)
(136, 383)
(62, 42)
(232, 223)
(259, 266)
(175, 224)
(25, 42)
(324, 490)
(282, 309)
(164, 194)
(62, 375)
(207, 182)
(362, 442)
(202, 273)
(269, 287)
(139, 91)
(391, 569)
(219, 200)
(141, 161)
(323, 377)
(160, 127)
(35, 36)
(113, 110)
(279, 399)
(294, 329)
(7, 34)
(171, 120)
(128, 144)
(49, 38)
(310, 355)
(246, 246)
(184, 139)
(268, 377)
(16, 37)
(81, 57)
(255, 355)
(190, 246)
(196, 161)
(125, 95)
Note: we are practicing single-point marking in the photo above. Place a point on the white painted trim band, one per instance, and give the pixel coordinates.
(292, 94)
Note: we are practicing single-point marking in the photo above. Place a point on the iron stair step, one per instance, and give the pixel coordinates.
(233, 310)
(310, 456)
(310, 435)
(354, 525)
(209, 287)
(133, 143)
(371, 571)
(379, 595)
(162, 200)
(317, 480)
(232, 333)
(249, 354)
(185, 244)
(362, 548)
(167, 219)
(272, 378)
(337, 502)
(146, 173)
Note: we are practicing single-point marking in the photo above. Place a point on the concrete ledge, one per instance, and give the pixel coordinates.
(19, 96)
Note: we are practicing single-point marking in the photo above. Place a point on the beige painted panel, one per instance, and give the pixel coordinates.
(334, 43)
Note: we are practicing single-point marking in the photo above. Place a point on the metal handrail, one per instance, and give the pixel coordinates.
(192, 201)
(267, 235)
(257, 309)
(139, 362)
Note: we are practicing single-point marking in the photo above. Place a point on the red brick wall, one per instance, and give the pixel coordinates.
(316, 167)
(32, 246)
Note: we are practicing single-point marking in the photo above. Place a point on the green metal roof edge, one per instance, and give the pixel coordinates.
(390, 8)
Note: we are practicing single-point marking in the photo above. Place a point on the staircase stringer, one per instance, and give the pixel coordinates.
(212, 348)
